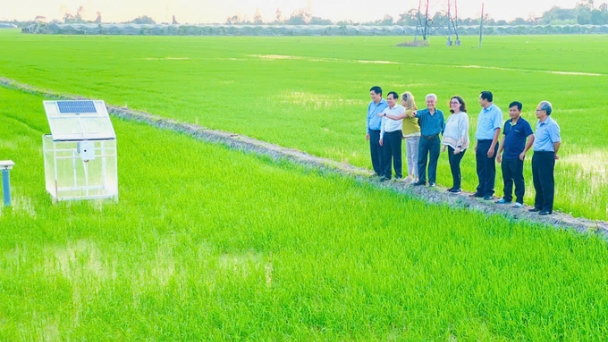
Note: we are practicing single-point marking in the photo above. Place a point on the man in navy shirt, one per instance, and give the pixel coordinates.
(376, 106)
(515, 133)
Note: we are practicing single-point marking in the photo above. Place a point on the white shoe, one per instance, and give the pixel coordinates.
(517, 205)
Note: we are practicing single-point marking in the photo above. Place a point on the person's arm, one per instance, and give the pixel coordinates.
(554, 133)
(500, 149)
(494, 142)
(367, 120)
(556, 146)
(394, 117)
(501, 146)
(497, 126)
(529, 144)
(442, 123)
(384, 121)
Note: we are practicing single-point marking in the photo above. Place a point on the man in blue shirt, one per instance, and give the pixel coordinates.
(547, 141)
(515, 133)
(489, 123)
(432, 123)
(374, 122)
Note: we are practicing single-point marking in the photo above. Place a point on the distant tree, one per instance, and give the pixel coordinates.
(174, 20)
(557, 14)
(387, 21)
(144, 19)
(98, 19)
(320, 21)
(235, 19)
(583, 14)
(278, 16)
(299, 17)
(409, 18)
(257, 17)
(518, 21)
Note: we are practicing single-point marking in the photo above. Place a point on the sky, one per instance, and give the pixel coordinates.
(214, 11)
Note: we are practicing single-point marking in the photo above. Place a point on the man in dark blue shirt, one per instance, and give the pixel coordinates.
(515, 133)
(432, 123)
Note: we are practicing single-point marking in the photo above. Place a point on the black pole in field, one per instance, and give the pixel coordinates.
(481, 25)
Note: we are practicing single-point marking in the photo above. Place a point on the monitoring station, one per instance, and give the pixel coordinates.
(80, 159)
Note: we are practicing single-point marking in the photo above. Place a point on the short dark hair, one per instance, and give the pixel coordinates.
(516, 104)
(395, 96)
(463, 106)
(487, 95)
(376, 90)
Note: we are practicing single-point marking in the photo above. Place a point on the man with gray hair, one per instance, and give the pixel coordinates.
(547, 141)
(432, 123)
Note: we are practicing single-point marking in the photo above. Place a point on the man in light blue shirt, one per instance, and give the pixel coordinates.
(489, 124)
(374, 123)
(547, 141)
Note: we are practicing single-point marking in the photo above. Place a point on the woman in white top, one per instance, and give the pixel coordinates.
(456, 139)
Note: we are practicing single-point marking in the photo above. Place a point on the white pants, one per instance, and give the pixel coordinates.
(411, 144)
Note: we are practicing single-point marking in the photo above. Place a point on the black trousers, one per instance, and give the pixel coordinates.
(428, 151)
(391, 152)
(376, 151)
(543, 165)
(513, 173)
(486, 168)
(455, 160)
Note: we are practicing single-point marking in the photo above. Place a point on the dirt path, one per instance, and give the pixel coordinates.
(237, 141)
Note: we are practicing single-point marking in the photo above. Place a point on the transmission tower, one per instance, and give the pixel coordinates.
(438, 16)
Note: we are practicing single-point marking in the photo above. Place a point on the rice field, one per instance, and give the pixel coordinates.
(311, 93)
(225, 245)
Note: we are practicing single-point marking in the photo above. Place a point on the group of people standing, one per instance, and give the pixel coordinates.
(426, 130)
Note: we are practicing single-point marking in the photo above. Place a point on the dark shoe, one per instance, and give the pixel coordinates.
(384, 179)
(455, 191)
(476, 195)
(534, 210)
(545, 212)
(449, 189)
(431, 184)
(487, 198)
(419, 183)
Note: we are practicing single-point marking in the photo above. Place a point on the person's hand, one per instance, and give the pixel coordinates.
(475, 149)
(499, 158)
(522, 156)
(414, 113)
(367, 137)
(456, 151)
(443, 149)
(491, 153)
(380, 115)
(381, 142)
(556, 157)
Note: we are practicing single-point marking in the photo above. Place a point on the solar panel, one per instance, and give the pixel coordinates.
(76, 107)
(79, 120)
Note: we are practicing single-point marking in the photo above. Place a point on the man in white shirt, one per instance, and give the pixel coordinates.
(390, 138)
